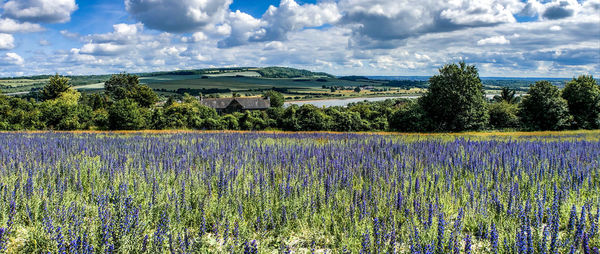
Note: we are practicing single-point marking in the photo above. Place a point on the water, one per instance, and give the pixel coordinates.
(344, 102)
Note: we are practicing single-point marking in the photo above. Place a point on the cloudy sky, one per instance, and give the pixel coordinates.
(525, 38)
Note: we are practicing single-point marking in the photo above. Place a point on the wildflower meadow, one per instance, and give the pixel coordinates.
(227, 192)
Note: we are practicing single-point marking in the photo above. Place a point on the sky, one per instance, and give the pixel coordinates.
(503, 38)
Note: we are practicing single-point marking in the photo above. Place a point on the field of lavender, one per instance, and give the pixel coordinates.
(302, 193)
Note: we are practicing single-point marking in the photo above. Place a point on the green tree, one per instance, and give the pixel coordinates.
(503, 115)
(127, 86)
(158, 120)
(126, 114)
(583, 97)
(65, 112)
(230, 122)
(276, 98)
(357, 89)
(311, 118)
(342, 120)
(455, 100)
(56, 86)
(253, 120)
(410, 118)
(289, 118)
(19, 114)
(508, 95)
(544, 109)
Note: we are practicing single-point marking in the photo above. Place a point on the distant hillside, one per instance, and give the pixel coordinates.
(285, 72)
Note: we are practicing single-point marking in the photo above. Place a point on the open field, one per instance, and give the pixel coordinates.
(264, 192)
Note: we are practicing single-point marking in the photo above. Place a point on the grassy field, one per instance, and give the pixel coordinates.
(281, 192)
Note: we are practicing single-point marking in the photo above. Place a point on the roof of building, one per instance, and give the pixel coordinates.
(247, 103)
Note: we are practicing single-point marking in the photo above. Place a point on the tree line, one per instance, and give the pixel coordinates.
(454, 102)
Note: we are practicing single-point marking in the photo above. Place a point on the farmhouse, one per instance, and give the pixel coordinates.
(229, 105)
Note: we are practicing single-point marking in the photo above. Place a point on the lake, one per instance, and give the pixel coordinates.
(345, 102)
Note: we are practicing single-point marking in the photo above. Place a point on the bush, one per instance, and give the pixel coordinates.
(544, 109)
(276, 98)
(583, 99)
(410, 118)
(503, 115)
(126, 114)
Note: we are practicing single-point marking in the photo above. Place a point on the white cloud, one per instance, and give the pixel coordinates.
(199, 36)
(343, 37)
(560, 9)
(290, 16)
(103, 49)
(40, 11)
(12, 26)
(495, 40)
(11, 59)
(69, 35)
(7, 41)
(44, 42)
(387, 24)
(277, 22)
(122, 34)
(178, 16)
(242, 26)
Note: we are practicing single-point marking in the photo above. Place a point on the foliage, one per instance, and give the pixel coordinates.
(276, 98)
(55, 87)
(312, 118)
(19, 114)
(544, 109)
(455, 100)
(454, 103)
(126, 114)
(410, 118)
(284, 72)
(508, 95)
(503, 115)
(583, 97)
(127, 86)
(342, 120)
(65, 112)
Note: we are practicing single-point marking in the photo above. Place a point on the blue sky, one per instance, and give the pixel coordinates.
(527, 38)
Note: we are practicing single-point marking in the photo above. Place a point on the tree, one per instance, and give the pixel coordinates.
(345, 120)
(230, 122)
(410, 118)
(503, 115)
(455, 100)
(56, 86)
(65, 112)
(276, 98)
(544, 109)
(357, 89)
(253, 120)
(289, 118)
(311, 118)
(126, 114)
(583, 97)
(508, 95)
(127, 86)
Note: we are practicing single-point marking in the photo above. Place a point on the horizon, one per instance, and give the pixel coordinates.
(503, 38)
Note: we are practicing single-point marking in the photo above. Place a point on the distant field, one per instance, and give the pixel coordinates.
(233, 74)
(90, 86)
(241, 83)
